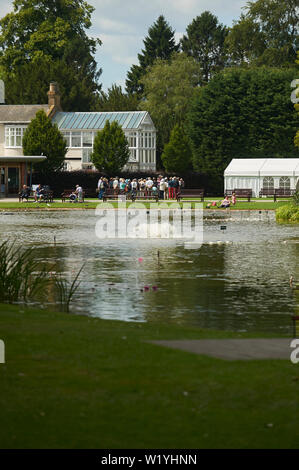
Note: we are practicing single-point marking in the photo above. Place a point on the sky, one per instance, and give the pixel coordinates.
(123, 24)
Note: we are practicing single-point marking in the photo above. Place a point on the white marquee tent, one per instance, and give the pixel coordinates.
(258, 173)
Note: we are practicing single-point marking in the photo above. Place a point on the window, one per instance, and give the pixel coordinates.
(284, 182)
(147, 140)
(76, 139)
(133, 156)
(268, 182)
(87, 139)
(67, 138)
(86, 152)
(14, 136)
(132, 139)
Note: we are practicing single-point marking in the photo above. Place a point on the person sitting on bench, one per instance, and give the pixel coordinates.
(25, 193)
(39, 193)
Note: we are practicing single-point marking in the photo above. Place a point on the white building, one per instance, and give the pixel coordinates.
(262, 173)
(80, 129)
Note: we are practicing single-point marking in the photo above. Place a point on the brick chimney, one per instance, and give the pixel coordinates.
(54, 98)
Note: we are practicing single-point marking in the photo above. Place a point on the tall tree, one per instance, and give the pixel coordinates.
(111, 149)
(116, 100)
(267, 34)
(177, 152)
(205, 42)
(43, 138)
(168, 89)
(242, 113)
(30, 84)
(49, 34)
(159, 44)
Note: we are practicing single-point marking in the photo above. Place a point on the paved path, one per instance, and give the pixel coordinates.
(234, 349)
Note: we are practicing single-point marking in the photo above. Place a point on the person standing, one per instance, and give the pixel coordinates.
(148, 185)
(162, 188)
(79, 193)
(175, 187)
(170, 188)
(134, 186)
(115, 185)
(166, 188)
(101, 187)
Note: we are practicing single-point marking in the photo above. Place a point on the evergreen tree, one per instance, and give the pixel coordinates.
(41, 35)
(116, 100)
(159, 44)
(242, 113)
(111, 149)
(177, 153)
(205, 42)
(43, 138)
(30, 84)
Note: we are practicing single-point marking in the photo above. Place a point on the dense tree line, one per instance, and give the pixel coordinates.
(224, 89)
(245, 113)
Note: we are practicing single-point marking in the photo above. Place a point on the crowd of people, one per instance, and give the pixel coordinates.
(165, 188)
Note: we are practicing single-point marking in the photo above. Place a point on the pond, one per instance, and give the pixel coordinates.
(238, 280)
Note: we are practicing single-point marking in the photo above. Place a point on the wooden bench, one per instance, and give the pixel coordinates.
(190, 193)
(144, 195)
(47, 196)
(114, 194)
(67, 192)
(30, 195)
(266, 192)
(89, 192)
(240, 193)
(280, 192)
(277, 192)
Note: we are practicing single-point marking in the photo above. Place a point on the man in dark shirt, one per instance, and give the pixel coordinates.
(176, 186)
(25, 193)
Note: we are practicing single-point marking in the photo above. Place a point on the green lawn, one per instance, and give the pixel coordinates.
(77, 382)
(93, 203)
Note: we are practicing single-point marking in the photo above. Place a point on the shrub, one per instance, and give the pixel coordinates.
(288, 213)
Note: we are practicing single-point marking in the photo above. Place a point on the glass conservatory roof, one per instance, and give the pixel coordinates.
(80, 121)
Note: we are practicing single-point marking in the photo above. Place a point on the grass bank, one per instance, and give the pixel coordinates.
(92, 204)
(76, 382)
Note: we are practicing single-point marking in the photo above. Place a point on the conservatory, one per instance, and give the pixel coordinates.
(79, 130)
(262, 173)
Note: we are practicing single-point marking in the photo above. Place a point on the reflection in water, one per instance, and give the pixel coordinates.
(238, 280)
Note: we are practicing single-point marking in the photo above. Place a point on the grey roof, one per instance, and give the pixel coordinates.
(96, 120)
(22, 158)
(20, 113)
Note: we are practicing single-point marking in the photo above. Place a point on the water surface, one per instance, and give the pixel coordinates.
(238, 280)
